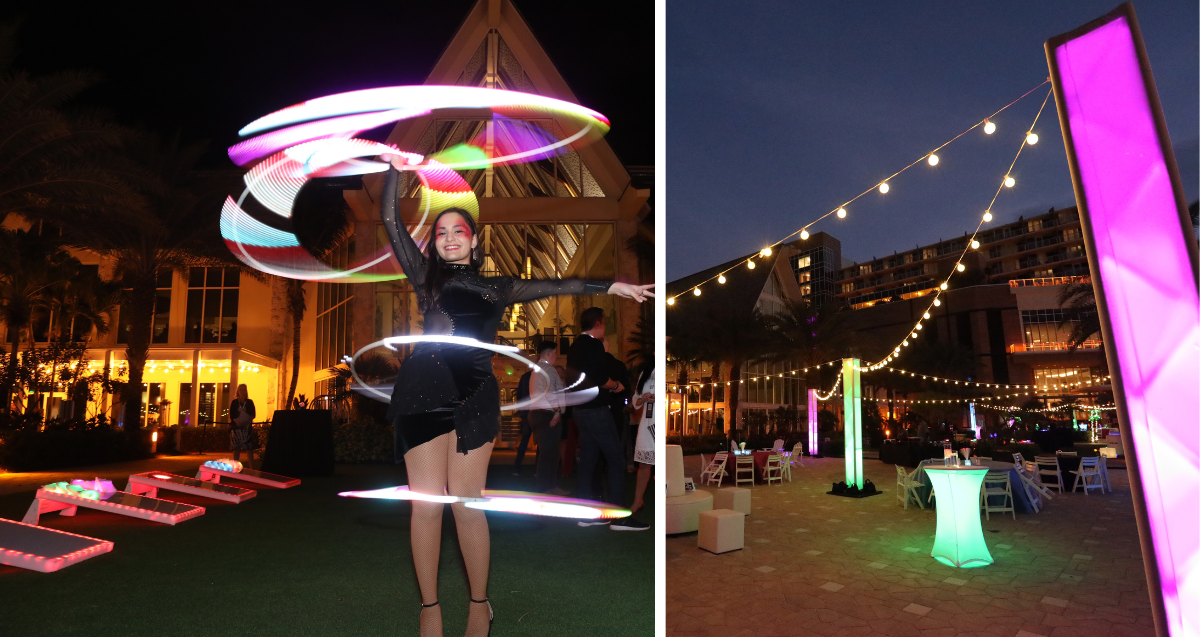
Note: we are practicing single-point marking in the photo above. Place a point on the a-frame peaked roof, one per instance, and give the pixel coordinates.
(520, 63)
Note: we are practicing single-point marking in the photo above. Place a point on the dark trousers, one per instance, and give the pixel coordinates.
(598, 436)
(547, 440)
(524, 444)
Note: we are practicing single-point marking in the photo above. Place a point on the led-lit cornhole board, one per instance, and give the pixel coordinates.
(210, 473)
(46, 550)
(118, 502)
(151, 481)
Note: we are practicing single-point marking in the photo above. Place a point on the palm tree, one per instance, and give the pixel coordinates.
(172, 223)
(30, 265)
(48, 156)
(728, 334)
(809, 335)
(1078, 301)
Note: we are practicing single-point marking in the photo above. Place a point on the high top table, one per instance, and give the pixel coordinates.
(959, 540)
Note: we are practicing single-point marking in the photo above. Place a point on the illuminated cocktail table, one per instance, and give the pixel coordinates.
(959, 541)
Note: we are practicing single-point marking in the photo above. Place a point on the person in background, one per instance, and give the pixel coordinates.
(570, 433)
(523, 416)
(546, 417)
(241, 430)
(597, 431)
(643, 453)
(619, 403)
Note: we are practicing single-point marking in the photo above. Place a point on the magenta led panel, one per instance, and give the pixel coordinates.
(1146, 283)
(45, 550)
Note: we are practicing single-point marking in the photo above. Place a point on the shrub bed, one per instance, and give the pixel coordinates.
(363, 440)
(58, 448)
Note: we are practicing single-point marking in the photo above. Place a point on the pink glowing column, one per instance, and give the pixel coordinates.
(813, 441)
(1144, 267)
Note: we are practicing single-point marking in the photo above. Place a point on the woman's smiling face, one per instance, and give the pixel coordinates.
(453, 239)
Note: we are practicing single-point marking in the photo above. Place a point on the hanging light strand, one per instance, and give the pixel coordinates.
(958, 265)
(840, 210)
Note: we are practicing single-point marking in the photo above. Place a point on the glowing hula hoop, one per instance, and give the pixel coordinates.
(505, 502)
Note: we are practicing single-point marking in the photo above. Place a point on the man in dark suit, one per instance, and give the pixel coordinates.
(597, 431)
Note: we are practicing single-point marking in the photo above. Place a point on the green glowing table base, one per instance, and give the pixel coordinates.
(959, 542)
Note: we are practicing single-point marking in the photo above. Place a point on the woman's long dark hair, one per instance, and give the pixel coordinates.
(437, 273)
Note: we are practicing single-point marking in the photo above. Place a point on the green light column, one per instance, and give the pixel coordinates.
(852, 401)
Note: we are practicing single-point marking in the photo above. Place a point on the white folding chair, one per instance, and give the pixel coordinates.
(906, 487)
(733, 446)
(1089, 470)
(743, 465)
(778, 446)
(794, 459)
(996, 484)
(774, 469)
(1017, 459)
(1048, 466)
(715, 469)
(1033, 492)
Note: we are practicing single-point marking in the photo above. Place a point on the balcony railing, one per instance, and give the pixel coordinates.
(1050, 347)
(1058, 280)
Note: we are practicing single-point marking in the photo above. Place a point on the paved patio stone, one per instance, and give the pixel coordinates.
(825, 583)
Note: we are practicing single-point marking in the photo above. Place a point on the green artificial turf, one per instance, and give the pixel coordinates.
(303, 561)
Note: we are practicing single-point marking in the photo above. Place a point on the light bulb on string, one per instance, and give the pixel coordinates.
(804, 235)
(884, 188)
(766, 252)
(960, 267)
(750, 265)
(926, 315)
(988, 127)
(933, 160)
(974, 245)
(721, 279)
(671, 301)
(841, 213)
(943, 286)
(987, 215)
(1031, 138)
(937, 302)
(1009, 182)
(696, 291)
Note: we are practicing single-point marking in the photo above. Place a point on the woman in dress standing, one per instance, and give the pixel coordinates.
(445, 407)
(241, 419)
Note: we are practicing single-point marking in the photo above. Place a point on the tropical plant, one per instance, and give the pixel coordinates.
(809, 335)
(171, 224)
(1078, 301)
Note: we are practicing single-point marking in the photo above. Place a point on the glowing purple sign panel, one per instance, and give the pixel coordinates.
(1143, 261)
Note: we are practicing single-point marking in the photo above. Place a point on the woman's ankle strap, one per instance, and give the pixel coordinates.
(480, 601)
(429, 605)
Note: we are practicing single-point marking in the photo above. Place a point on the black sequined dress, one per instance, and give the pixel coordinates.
(442, 388)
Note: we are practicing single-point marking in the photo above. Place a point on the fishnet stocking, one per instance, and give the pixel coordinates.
(432, 467)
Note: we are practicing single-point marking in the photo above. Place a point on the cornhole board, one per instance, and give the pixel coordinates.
(151, 481)
(210, 474)
(45, 550)
(119, 502)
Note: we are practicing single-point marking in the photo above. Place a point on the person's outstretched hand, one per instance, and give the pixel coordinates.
(638, 293)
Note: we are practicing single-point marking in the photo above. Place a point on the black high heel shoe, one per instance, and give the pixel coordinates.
(491, 615)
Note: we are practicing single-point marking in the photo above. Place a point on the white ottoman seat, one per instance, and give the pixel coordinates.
(735, 498)
(722, 530)
(683, 512)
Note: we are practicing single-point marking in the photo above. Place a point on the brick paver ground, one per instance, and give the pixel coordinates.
(816, 564)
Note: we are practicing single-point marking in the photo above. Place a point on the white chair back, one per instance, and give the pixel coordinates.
(778, 445)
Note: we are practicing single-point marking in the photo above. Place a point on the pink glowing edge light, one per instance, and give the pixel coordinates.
(813, 438)
(506, 502)
(1142, 265)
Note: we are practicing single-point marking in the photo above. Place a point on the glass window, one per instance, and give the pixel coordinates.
(212, 308)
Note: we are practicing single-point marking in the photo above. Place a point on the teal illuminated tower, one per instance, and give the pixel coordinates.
(852, 401)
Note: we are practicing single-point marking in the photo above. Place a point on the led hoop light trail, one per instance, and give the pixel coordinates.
(503, 350)
(506, 502)
(316, 139)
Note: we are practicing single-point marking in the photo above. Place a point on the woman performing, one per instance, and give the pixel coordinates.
(445, 407)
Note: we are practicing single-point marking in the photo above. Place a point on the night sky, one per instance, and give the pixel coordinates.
(207, 69)
(777, 112)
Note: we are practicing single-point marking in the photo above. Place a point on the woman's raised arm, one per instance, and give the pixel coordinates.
(405, 249)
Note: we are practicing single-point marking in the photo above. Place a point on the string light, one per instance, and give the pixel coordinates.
(974, 244)
(721, 279)
(696, 291)
(883, 186)
(987, 216)
(766, 252)
(933, 159)
(671, 301)
(1031, 138)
